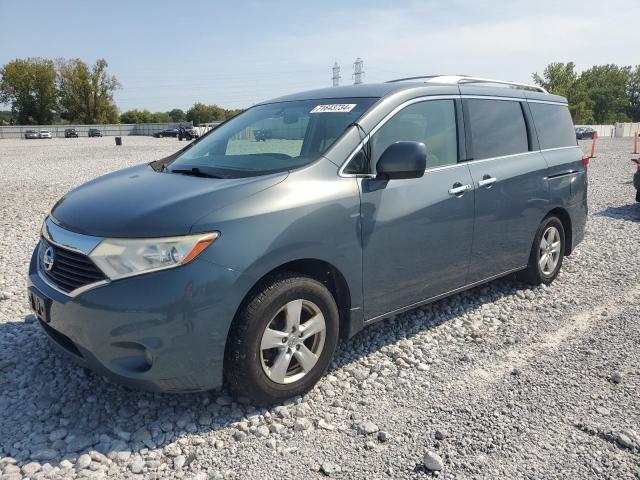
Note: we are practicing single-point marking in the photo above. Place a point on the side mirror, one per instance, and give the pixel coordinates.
(403, 160)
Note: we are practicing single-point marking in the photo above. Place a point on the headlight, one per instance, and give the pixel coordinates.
(120, 257)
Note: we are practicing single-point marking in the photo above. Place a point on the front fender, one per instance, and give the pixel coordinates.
(313, 214)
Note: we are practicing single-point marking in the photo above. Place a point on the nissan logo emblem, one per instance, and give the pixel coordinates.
(48, 258)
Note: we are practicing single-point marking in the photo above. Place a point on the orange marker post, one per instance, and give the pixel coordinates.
(635, 143)
(593, 145)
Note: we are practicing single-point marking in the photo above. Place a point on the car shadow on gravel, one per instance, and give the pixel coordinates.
(389, 331)
(624, 212)
(52, 410)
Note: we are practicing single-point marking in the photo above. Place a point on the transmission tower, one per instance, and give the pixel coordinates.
(358, 72)
(336, 74)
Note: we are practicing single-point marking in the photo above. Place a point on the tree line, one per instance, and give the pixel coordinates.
(602, 94)
(42, 91)
(197, 114)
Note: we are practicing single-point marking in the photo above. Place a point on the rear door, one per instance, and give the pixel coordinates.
(511, 190)
(417, 233)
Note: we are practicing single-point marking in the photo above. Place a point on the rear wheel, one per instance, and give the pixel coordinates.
(547, 253)
(282, 341)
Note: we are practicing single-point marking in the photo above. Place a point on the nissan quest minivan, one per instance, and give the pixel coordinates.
(246, 257)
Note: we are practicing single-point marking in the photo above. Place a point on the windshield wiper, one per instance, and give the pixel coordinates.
(196, 172)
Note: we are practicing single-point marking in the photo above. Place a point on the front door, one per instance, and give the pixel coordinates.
(416, 233)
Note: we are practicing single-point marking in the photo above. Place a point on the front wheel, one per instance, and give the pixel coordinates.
(547, 253)
(282, 341)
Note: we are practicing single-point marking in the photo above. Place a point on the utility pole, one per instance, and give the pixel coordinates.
(336, 74)
(358, 72)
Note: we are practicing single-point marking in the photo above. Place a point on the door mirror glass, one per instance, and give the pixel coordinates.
(403, 160)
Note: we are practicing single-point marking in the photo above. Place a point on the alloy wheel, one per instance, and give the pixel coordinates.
(550, 247)
(292, 341)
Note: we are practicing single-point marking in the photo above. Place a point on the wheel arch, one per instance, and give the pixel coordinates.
(324, 272)
(565, 218)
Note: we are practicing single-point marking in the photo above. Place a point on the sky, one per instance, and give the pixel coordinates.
(171, 54)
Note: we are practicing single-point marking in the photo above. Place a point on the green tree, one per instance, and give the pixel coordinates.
(562, 79)
(5, 117)
(161, 117)
(144, 116)
(558, 78)
(177, 115)
(86, 94)
(232, 113)
(606, 86)
(30, 87)
(633, 93)
(136, 116)
(201, 113)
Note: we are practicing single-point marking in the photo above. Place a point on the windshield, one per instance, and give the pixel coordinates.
(273, 137)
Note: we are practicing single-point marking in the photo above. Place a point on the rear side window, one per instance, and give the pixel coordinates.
(554, 125)
(497, 128)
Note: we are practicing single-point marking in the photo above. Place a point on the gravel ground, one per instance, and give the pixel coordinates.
(502, 381)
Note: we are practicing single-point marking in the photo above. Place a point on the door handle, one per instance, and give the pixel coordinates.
(487, 181)
(459, 189)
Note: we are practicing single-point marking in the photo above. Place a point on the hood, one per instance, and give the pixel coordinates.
(140, 202)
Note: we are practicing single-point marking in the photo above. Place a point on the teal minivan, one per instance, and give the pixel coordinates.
(246, 255)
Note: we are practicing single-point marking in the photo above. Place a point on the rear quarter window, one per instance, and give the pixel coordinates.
(554, 125)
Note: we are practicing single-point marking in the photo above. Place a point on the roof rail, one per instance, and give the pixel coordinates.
(458, 79)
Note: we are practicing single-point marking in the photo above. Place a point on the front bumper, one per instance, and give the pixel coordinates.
(163, 331)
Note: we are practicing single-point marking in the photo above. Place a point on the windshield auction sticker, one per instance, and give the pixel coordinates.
(334, 107)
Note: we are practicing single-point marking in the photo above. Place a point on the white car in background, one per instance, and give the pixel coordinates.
(45, 134)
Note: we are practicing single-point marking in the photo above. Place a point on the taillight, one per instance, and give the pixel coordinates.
(585, 161)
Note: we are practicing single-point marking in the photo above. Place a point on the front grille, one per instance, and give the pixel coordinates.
(70, 270)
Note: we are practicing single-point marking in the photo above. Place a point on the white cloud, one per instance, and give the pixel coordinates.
(490, 40)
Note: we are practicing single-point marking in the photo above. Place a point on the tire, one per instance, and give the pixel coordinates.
(269, 374)
(159, 135)
(535, 273)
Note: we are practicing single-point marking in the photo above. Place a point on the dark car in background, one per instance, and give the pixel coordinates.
(168, 132)
(70, 133)
(262, 135)
(94, 132)
(247, 261)
(584, 133)
(187, 133)
(31, 134)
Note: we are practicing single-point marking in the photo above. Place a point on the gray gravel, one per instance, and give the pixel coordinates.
(502, 381)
